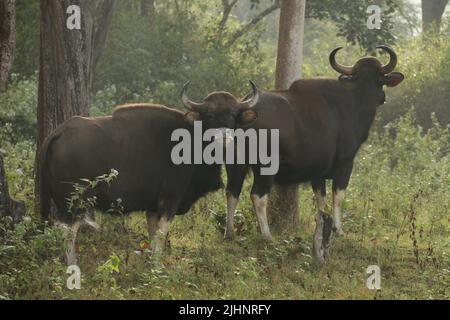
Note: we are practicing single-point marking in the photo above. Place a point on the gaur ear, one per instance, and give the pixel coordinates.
(192, 116)
(393, 79)
(247, 117)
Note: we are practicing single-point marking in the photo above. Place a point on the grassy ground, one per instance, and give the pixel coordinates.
(396, 216)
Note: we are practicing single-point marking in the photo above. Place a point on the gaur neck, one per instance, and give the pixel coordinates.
(366, 105)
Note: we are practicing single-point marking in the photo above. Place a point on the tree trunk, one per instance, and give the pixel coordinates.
(7, 39)
(8, 206)
(66, 62)
(432, 11)
(283, 203)
(103, 15)
(65, 65)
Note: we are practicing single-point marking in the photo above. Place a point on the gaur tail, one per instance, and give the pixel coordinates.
(44, 183)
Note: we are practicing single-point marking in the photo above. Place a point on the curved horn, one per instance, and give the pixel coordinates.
(392, 62)
(253, 100)
(338, 67)
(191, 105)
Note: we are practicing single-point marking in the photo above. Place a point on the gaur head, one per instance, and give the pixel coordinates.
(369, 74)
(221, 109)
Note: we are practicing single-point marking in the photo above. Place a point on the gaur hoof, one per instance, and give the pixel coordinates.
(267, 238)
(322, 236)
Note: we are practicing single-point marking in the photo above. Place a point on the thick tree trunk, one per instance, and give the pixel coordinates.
(290, 43)
(283, 204)
(66, 61)
(7, 39)
(432, 11)
(65, 65)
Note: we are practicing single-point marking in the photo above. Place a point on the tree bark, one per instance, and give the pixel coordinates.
(103, 15)
(432, 11)
(65, 65)
(227, 7)
(8, 206)
(290, 43)
(7, 39)
(67, 58)
(283, 202)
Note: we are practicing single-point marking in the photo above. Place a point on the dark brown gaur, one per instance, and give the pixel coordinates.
(136, 140)
(322, 124)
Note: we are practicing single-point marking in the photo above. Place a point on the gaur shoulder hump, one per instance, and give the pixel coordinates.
(141, 107)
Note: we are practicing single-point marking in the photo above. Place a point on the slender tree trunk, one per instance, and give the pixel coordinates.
(103, 15)
(8, 206)
(67, 58)
(432, 11)
(7, 39)
(283, 204)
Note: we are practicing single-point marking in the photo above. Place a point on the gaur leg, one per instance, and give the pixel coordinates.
(152, 224)
(70, 230)
(236, 176)
(322, 234)
(168, 204)
(162, 234)
(70, 236)
(260, 195)
(320, 193)
(340, 183)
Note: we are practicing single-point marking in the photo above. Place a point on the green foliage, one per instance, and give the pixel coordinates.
(149, 58)
(19, 164)
(425, 62)
(30, 261)
(18, 109)
(80, 201)
(26, 58)
(351, 20)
